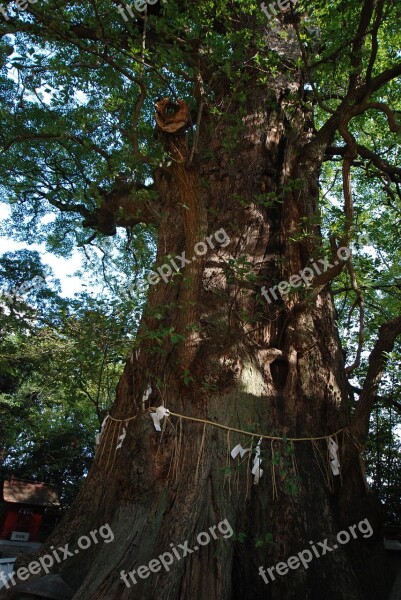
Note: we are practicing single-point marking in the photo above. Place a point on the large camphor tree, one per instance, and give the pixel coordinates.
(185, 120)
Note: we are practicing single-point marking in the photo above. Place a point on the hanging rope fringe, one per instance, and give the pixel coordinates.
(274, 484)
(200, 451)
(111, 436)
(113, 431)
(322, 463)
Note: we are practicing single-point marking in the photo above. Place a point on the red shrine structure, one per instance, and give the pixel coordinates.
(23, 506)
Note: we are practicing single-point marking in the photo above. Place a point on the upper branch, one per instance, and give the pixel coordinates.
(123, 206)
(381, 106)
(375, 43)
(357, 46)
(60, 137)
(381, 164)
(388, 334)
(379, 81)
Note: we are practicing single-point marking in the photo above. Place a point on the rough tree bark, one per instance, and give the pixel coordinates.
(239, 361)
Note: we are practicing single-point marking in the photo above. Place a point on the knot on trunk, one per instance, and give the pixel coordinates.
(172, 116)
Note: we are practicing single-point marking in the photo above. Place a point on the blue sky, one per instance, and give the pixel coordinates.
(63, 268)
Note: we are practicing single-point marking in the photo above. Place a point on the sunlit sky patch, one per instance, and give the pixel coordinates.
(63, 268)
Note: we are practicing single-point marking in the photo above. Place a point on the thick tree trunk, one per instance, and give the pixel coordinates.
(243, 362)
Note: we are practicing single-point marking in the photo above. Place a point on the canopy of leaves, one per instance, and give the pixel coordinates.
(60, 361)
(78, 85)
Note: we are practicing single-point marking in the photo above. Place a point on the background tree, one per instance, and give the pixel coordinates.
(60, 361)
(258, 124)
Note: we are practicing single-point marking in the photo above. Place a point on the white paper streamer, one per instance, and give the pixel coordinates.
(257, 472)
(122, 436)
(100, 433)
(158, 416)
(238, 449)
(334, 462)
(146, 395)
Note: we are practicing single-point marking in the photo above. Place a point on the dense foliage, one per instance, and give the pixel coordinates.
(60, 361)
(78, 85)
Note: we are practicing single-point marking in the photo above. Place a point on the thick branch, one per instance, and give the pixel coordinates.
(357, 46)
(376, 160)
(375, 43)
(381, 106)
(377, 82)
(81, 209)
(361, 336)
(349, 157)
(58, 138)
(356, 98)
(123, 207)
(388, 333)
